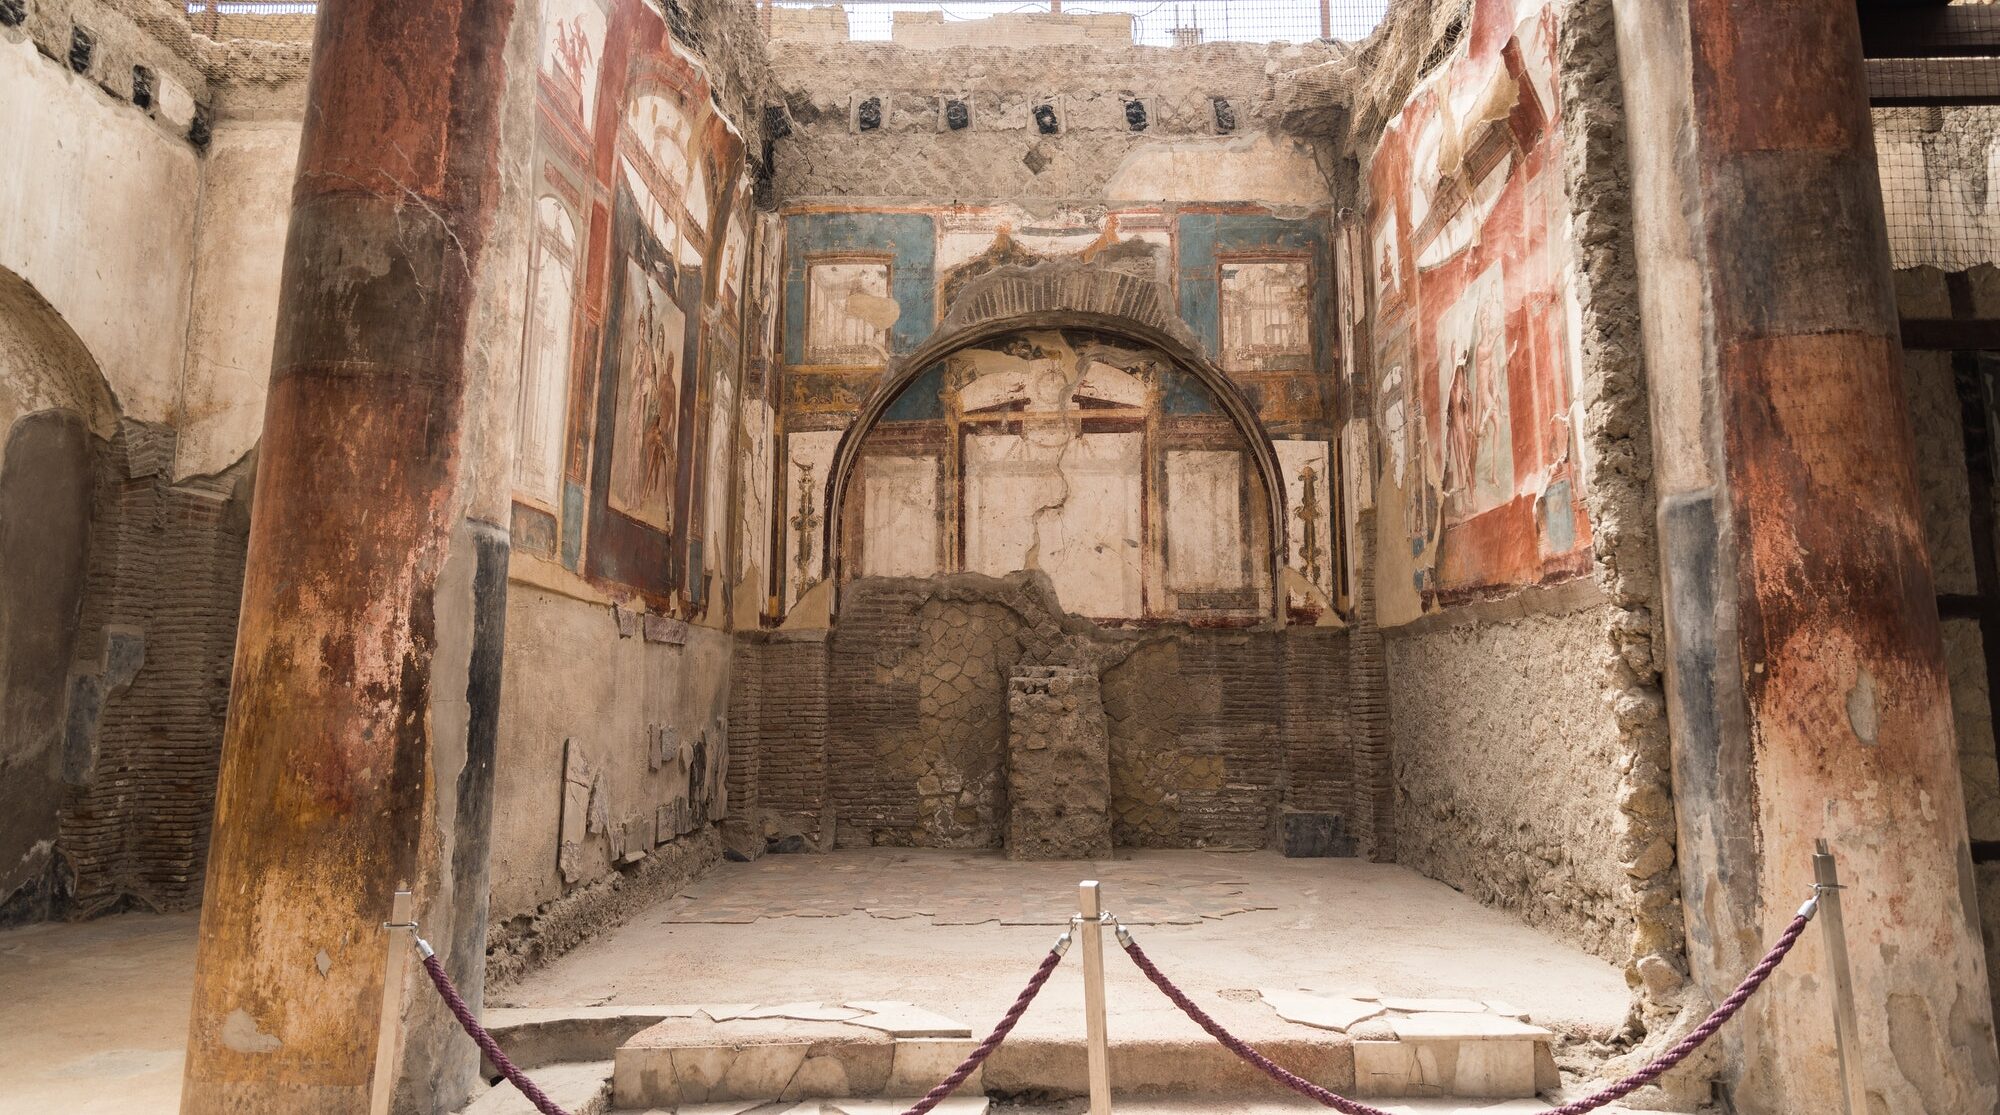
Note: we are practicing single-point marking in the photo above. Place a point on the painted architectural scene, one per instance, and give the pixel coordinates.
(667, 538)
(1475, 387)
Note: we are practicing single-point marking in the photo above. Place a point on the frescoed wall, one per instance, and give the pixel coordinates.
(634, 357)
(1098, 461)
(1254, 289)
(1474, 370)
(642, 408)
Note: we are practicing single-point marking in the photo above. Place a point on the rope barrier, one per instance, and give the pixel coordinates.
(456, 1004)
(1674, 1056)
(480, 1037)
(985, 1049)
(1652, 1071)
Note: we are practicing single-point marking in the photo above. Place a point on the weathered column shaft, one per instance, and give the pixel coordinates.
(1807, 679)
(330, 792)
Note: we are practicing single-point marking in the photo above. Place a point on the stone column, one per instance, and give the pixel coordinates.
(358, 753)
(1807, 689)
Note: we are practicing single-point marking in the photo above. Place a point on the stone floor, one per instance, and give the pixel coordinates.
(93, 1017)
(959, 933)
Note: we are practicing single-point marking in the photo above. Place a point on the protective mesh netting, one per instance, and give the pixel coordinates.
(1149, 22)
(1939, 150)
(269, 20)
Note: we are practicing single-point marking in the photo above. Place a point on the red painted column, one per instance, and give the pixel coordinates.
(367, 643)
(1808, 692)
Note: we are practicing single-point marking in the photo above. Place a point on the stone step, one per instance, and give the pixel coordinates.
(956, 1105)
(580, 1089)
(683, 1061)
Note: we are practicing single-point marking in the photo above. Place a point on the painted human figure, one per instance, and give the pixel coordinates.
(659, 371)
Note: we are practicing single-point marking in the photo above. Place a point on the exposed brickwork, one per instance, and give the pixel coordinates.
(786, 777)
(1373, 795)
(166, 572)
(902, 740)
(741, 833)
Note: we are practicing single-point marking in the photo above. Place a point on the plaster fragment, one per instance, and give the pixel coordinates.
(240, 1033)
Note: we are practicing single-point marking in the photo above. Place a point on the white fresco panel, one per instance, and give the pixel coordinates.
(1308, 472)
(848, 313)
(1205, 544)
(546, 357)
(1067, 504)
(899, 517)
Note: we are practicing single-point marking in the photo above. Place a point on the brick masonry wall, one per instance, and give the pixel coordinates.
(150, 687)
(1214, 733)
(786, 777)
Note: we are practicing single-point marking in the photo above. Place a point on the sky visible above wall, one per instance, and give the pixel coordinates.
(1154, 22)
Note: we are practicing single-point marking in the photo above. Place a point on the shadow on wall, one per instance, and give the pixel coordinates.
(118, 592)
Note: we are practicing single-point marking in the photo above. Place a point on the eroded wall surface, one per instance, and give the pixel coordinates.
(1951, 409)
(128, 514)
(893, 729)
(642, 383)
(1536, 683)
(1508, 416)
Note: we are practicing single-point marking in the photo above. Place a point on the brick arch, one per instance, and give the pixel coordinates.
(49, 366)
(1065, 295)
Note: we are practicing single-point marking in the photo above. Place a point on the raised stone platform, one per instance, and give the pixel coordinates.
(1362, 1044)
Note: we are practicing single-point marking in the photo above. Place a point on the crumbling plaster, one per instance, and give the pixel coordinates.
(1096, 157)
(1508, 771)
(152, 214)
(1591, 698)
(574, 677)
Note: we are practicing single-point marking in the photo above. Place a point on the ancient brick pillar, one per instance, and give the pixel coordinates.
(358, 753)
(1807, 688)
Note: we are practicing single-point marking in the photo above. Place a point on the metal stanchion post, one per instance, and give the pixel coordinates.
(402, 924)
(1846, 1042)
(1092, 911)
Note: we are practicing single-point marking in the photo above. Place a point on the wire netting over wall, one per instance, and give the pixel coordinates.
(1938, 176)
(271, 20)
(1937, 139)
(1153, 22)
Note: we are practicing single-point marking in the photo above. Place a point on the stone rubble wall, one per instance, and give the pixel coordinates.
(1217, 92)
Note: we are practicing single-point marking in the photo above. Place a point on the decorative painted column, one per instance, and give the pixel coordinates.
(1807, 687)
(358, 754)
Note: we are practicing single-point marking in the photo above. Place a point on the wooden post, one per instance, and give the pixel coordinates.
(1092, 909)
(1326, 19)
(400, 929)
(1845, 1025)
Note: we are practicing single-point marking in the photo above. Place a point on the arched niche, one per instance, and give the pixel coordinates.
(55, 412)
(1073, 301)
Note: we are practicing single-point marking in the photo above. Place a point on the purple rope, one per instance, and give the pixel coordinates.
(547, 1106)
(485, 1041)
(1623, 1088)
(971, 1064)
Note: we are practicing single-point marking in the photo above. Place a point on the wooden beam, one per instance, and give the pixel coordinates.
(1924, 32)
(1950, 335)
